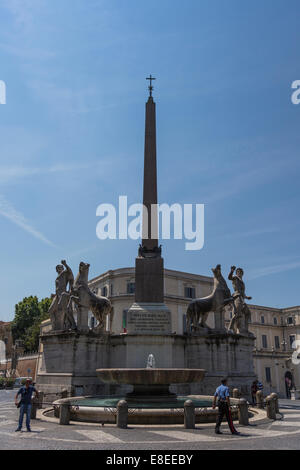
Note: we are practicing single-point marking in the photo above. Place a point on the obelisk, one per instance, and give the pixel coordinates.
(149, 314)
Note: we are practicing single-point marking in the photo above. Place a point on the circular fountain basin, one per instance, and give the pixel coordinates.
(150, 384)
(103, 409)
(149, 376)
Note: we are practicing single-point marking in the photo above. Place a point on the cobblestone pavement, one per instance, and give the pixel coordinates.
(280, 434)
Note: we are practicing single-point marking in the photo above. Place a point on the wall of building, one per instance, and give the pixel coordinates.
(5, 339)
(25, 363)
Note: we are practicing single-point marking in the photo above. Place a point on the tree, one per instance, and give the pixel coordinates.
(29, 313)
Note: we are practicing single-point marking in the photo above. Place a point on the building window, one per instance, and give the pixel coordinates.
(275, 320)
(190, 292)
(104, 291)
(264, 341)
(277, 343)
(262, 319)
(268, 374)
(290, 320)
(292, 339)
(111, 289)
(92, 322)
(130, 287)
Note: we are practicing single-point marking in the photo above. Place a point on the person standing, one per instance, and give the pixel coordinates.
(25, 404)
(223, 396)
(254, 389)
(260, 386)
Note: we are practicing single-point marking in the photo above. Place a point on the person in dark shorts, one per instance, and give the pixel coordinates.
(223, 396)
(25, 404)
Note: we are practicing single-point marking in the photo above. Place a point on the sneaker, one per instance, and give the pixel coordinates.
(217, 431)
(236, 433)
(28, 430)
(18, 429)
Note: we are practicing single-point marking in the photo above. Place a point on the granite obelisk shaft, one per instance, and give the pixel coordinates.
(150, 179)
(149, 266)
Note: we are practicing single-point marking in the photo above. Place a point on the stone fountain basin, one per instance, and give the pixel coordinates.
(150, 376)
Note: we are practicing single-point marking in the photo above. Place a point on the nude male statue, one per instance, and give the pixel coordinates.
(242, 314)
(59, 312)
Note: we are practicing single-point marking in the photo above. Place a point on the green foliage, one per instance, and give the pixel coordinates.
(29, 313)
(9, 382)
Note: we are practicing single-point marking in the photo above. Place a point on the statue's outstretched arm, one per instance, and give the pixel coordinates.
(70, 273)
(230, 275)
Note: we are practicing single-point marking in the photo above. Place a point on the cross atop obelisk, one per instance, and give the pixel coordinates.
(150, 86)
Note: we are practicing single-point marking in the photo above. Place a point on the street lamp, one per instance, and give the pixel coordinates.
(5, 342)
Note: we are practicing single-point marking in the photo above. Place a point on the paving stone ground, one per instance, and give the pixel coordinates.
(280, 434)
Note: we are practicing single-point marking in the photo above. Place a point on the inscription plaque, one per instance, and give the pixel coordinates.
(144, 321)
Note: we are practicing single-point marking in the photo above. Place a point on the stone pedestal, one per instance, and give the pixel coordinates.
(133, 350)
(69, 361)
(149, 280)
(221, 355)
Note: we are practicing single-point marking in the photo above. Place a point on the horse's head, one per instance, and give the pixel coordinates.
(83, 274)
(217, 272)
(219, 281)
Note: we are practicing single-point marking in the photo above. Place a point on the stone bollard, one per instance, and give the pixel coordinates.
(40, 400)
(122, 414)
(189, 414)
(259, 399)
(243, 412)
(34, 407)
(56, 411)
(64, 393)
(275, 398)
(235, 393)
(64, 413)
(270, 406)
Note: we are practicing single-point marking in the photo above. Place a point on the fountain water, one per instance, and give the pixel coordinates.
(151, 362)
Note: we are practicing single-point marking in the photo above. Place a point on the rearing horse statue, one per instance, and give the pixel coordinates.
(199, 309)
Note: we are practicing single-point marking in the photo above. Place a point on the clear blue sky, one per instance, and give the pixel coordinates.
(72, 135)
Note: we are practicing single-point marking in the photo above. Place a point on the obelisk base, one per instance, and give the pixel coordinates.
(149, 318)
(149, 280)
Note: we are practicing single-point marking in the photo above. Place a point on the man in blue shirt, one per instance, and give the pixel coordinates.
(222, 394)
(25, 404)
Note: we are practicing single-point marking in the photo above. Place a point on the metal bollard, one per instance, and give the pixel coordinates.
(275, 398)
(243, 412)
(235, 393)
(259, 399)
(64, 413)
(122, 414)
(270, 406)
(189, 414)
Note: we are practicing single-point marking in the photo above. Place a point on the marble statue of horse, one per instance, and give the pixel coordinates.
(199, 309)
(82, 296)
